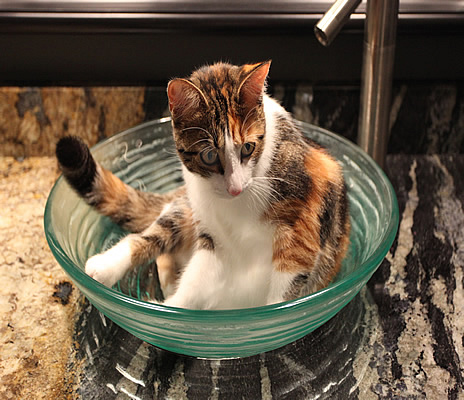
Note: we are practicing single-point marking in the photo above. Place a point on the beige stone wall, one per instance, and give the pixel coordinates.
(33, 119)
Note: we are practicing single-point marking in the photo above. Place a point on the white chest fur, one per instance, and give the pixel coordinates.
(239, 274)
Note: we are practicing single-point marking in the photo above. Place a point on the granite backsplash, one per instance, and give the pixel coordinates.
(427, 118)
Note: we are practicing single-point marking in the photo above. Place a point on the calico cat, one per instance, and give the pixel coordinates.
(263, 215)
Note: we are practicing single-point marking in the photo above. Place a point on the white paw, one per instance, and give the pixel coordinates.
(102, 269)
(110, 266)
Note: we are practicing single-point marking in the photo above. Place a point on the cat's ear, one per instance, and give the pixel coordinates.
(184, 96)
(252, 87)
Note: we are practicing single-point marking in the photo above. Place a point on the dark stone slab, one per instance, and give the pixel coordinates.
(400, 338)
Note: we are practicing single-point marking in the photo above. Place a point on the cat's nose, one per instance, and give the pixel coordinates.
(234, 191)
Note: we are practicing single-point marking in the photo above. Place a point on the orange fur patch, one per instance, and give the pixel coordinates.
(296, 247)
(235, 129)
(113, 191)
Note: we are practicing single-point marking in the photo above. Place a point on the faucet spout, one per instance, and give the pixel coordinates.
(377, 71)
(333, 20)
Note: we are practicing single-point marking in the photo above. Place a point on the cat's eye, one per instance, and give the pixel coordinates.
(247, 150)
(209, 157)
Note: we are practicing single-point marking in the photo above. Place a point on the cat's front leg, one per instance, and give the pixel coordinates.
(111, 265)
(197, 288)
(172, 231)
(135, 249)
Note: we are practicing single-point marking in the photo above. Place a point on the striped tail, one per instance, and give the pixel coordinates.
(132, 209)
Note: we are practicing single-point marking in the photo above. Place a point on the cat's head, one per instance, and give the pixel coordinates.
(218, 123)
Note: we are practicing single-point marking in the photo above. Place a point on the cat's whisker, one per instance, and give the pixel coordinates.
(267, 194)
(267, 201)
(256, 204)
(262, 191)
(262, 182)
(251, 125)
(250, 111)
(199, 128)
(271, 178)
(260, 195)
(198, 141)
(214, 136)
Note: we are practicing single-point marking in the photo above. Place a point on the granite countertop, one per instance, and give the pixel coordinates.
(402, 337)
(37, 303)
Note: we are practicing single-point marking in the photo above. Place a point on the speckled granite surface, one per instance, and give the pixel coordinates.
(401, 338)
(37, 303)
(33, 119)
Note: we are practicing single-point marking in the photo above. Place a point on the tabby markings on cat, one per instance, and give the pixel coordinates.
(263, 215)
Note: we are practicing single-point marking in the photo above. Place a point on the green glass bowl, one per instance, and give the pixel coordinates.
(144, 157)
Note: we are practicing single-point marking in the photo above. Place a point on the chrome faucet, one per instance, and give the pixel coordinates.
(377, 70)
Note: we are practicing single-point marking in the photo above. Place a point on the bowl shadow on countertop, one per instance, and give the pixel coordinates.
(330, 362)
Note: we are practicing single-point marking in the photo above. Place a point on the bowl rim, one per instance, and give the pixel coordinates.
(366, 268)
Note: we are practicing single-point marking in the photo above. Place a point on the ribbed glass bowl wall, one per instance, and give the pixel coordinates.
(144, 157)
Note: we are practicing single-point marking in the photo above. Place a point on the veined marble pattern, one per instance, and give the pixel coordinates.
(419, 289)
(425, 118)
(401, 338)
